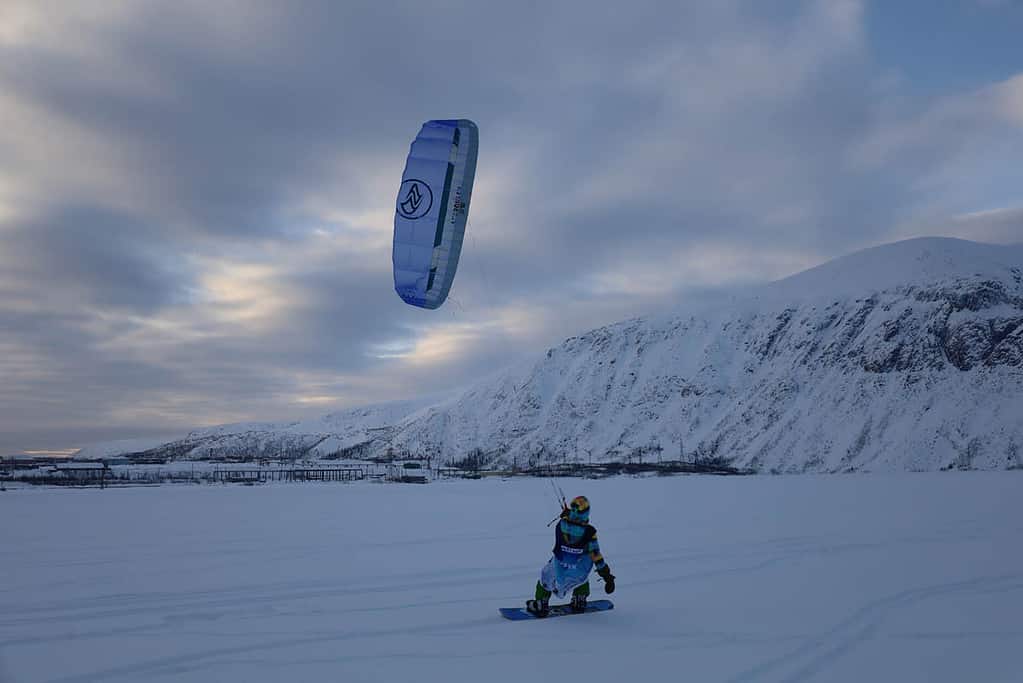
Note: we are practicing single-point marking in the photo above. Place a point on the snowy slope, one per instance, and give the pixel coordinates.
(902, 357)
(325, 436)
(767, 579)
(914, 261)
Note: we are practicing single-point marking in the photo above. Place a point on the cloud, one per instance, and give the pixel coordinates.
(196, 200)
(1007, 98)
(994, 226)
(954, 155)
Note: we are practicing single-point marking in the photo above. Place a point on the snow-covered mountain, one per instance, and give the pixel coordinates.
(907, 356)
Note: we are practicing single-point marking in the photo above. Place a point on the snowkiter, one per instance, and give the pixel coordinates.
(576, 552)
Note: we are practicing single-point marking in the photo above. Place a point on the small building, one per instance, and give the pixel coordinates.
(83, 472)
(408, 473)
(147, 460)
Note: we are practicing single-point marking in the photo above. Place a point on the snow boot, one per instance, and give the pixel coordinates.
(540, 608)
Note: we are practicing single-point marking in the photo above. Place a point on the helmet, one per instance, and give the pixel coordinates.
(579, 510)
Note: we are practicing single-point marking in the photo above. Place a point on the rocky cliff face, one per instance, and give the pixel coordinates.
(903, 357)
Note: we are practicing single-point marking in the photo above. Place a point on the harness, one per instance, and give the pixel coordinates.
(567, 550)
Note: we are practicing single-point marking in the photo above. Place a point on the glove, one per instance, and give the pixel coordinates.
(609, 579)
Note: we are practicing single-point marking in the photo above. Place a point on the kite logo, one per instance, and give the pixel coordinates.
(415, 198)
(412, 200)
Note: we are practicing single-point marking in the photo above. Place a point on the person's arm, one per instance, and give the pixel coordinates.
(601, 566)
(594, 550)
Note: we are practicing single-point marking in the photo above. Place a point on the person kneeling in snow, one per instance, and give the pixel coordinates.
(576, 552)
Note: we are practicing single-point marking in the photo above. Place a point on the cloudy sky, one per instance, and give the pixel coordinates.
(196, 198)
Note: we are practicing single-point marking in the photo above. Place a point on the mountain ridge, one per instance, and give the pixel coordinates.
(907, 356)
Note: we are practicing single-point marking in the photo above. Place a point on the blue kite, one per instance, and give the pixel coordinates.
(432, 209)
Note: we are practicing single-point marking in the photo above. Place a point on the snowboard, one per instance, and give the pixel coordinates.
(520, 613)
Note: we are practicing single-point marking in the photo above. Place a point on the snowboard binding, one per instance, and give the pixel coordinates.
(540, 608)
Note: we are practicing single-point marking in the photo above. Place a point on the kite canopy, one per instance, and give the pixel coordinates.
(431, 211)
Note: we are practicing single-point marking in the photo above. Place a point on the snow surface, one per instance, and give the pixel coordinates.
(788, 578)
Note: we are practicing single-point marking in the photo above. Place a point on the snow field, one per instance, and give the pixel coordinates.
(848, 578)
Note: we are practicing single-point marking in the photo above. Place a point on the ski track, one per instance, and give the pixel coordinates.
(838, 641)
(177, 663)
